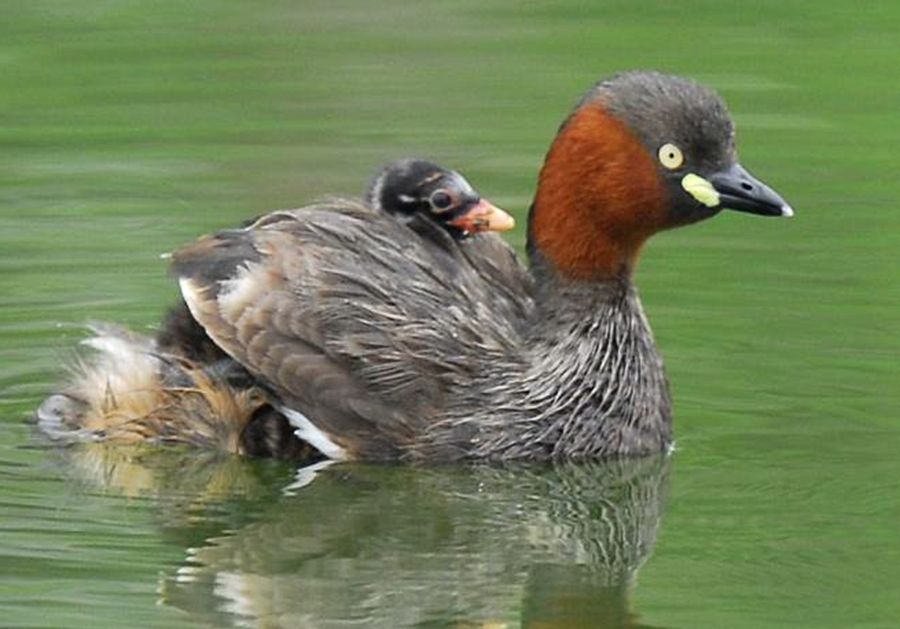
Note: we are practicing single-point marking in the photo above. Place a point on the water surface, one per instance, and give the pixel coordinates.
(129, 128)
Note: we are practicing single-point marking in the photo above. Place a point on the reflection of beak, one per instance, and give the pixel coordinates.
(484, 217)
(741, 191)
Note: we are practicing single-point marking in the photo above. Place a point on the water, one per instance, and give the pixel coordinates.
(129, 128)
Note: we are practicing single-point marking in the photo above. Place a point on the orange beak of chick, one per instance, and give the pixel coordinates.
(484, 216)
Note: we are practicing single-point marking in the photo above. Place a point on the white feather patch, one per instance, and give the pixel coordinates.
(126, 360)
(308, 432)
(119, 348)
(243, 290)
(190, 293)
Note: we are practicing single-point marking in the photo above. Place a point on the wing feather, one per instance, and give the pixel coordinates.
(352, 319)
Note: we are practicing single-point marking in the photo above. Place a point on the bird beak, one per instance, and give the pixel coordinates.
(484, 217)
(738, 190)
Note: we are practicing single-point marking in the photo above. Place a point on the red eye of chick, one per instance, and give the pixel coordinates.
(441, 200)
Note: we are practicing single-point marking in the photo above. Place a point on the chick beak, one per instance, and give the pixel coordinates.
(741, 191)
(482, 217)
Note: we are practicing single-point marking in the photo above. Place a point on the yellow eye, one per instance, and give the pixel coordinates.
(670, 156)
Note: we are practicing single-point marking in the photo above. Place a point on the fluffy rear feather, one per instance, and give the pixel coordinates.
(129, 392)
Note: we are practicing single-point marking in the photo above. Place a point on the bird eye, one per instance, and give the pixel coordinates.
(670, 156)
(441, 200)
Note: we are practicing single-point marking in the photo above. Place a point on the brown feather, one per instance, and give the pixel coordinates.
(129, 392)
(371, 356)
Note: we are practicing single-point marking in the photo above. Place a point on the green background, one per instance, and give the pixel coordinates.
(128, 128)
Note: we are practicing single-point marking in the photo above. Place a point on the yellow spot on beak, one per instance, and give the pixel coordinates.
(700, 189)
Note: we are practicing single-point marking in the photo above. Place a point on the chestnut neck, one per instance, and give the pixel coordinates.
(599, 198)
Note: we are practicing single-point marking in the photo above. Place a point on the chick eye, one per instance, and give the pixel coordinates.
(670, 156)
(441, 200)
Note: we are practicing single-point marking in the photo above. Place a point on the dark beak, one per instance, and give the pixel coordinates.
(741, 191)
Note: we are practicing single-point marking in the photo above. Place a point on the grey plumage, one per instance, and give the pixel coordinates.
(423, 356)
(372, 357)
(590, 382)
(662, 108)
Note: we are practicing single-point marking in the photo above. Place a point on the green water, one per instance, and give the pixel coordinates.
(128, 128)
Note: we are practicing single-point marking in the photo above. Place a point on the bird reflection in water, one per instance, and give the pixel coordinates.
(391, 546)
